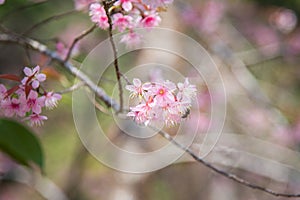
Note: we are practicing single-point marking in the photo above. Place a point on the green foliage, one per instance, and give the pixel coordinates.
(20, 143)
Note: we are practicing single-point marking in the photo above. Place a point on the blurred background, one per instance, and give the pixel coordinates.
(256, 46)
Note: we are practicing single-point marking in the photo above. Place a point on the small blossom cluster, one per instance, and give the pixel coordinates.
(129, 14)
(164, 101)
(26, 99)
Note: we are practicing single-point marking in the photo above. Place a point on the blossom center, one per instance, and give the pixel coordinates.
(161, 91)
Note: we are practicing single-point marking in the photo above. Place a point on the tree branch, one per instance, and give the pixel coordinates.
(220, 171)
(35, 45)
(115, 52)
(111, 103)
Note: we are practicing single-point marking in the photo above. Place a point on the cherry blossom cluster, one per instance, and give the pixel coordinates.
(129, 14)
(27, 99)
(164, 101)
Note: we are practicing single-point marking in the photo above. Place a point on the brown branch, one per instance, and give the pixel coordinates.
(220, 171)
(47, 20)
(115, 52)
(111, 103)
(37, 46)
(77, 39)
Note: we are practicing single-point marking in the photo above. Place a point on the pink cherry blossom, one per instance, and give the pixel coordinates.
(98, 15)
(143, 113)
(51, 99)
(138, 89)
(34, 102)
(19, 102)
(34, 76)
(121, 22)
(13, 107)
(163, 93)
(151, 20)
(131, 39)
(36, 119)
(129, 14)
(186, 91)
(2, 2)
(158, 101)
(126, 4)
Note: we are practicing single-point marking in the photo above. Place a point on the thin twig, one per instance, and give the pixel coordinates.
(47, 20)
(77, 39)
(220, 171)
(111, 103)
(126, 79)
(98, 105)
(115, 52)
(72, 88)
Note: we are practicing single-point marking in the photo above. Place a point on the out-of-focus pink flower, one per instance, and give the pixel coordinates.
(34, 76)
(211, 15)
(264, 36)
(36, 119)
(82, 4)
(293, 44)
(51, 99)
(284, 20)
(121, 22)
(157, 3)
(2, 2)
(98, 15)
(131, 39)
(2, 92)
(63, 50)
(151, 20)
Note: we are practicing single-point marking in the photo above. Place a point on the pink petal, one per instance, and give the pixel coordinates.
(36, 69)
(130, 88)
(41, 77)
(27, 71)
(137, 82)
(35, 84)
(127, 6)
(32, 95)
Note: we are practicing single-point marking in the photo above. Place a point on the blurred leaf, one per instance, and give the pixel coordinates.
(18, 142)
